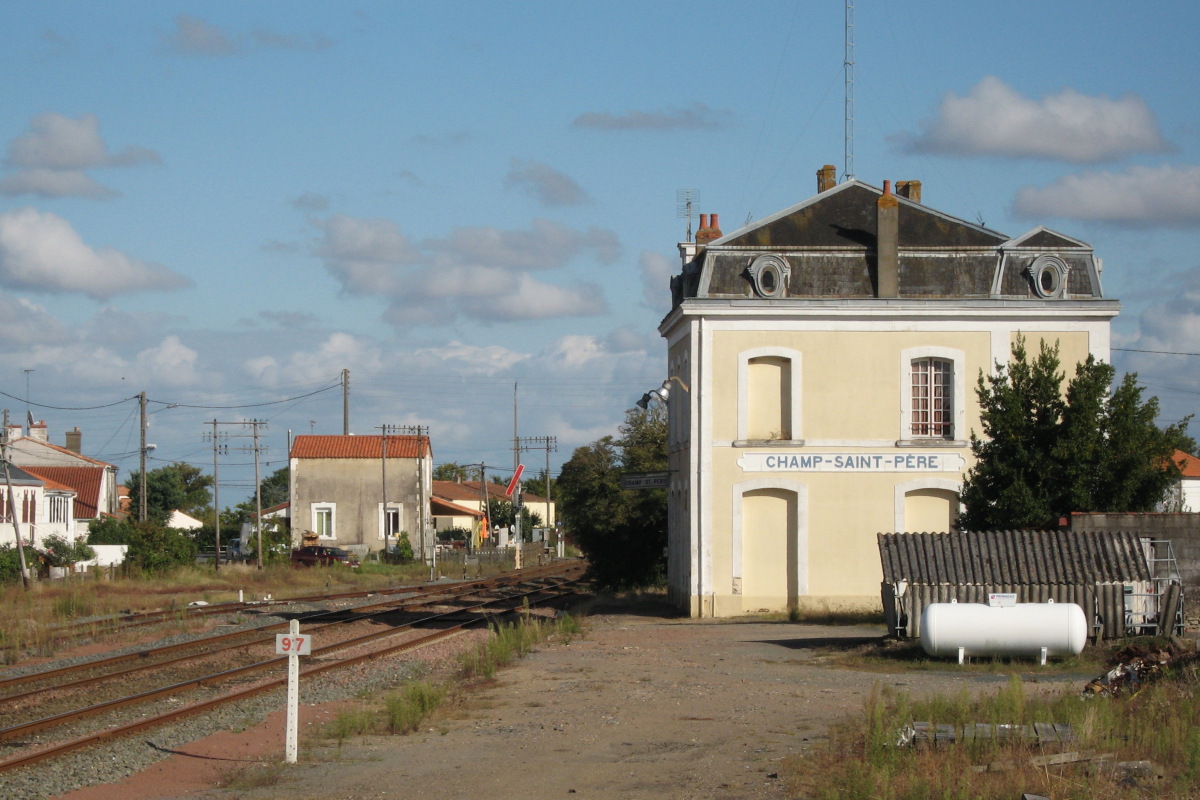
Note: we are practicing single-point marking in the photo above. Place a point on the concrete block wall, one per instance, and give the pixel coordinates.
(1182, 530)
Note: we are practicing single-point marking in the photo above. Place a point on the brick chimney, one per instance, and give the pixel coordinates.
(887, 243)
(708, 230)
(826, 178)
(909, 189)
(75, 440)
(38, 431)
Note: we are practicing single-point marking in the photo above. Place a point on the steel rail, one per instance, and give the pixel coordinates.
(196, 708)
(420, 591)
(200, 682)
(357, 614)
(143, 618)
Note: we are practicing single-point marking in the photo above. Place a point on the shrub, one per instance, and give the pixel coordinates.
(156, 549)
(10, 564)
(58, 552)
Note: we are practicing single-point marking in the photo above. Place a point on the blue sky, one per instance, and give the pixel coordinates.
(225, 204)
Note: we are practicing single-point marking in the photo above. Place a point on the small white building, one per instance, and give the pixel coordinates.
(42, 508)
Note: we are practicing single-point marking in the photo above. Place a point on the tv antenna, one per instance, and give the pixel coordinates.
(684, 199)
(849, 64)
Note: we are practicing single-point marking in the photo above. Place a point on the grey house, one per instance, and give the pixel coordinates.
(352, 491)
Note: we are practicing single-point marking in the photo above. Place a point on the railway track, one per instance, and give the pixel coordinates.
(385, 628)
(120, 623)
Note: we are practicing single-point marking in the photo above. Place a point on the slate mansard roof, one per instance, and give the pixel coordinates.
(829, 245)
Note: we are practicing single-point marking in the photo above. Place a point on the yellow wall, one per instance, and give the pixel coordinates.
(852, 384)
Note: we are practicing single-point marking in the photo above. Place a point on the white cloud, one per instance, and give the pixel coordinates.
(338, 351)
(311, 201)
(41, 251)
(481, 272)
(992, 119)
(53, 183)
(657, 271)
(545, 184)
(533, 299)
(546, 245)
(24, 324)
(170, 363)
(51, 157)
(698, 117)
(1145, 196)
(196, 37)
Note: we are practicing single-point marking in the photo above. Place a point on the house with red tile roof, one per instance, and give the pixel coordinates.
(43, 507)
(357, 492)
(93, 481)
(467, 493)
(1189, 481)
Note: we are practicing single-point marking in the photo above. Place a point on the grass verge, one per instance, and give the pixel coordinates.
(1160, 724)
(404, 710)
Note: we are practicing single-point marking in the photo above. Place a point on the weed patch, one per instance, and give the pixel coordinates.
(1160, 724)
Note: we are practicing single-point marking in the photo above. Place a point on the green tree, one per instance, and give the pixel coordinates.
(165, 492)
(155, 548)
(1045, 453)
(453, 471)
(623, 533)
(273, 490)
(109, 530)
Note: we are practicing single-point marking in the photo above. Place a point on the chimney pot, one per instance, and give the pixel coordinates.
(887, 244)
(826, 178)
(716, 227)
(909, 189)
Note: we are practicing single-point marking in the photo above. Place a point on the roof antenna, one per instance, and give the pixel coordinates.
(849, 65)
(684, 199)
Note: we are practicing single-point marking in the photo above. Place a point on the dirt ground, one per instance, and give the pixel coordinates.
(642, 707)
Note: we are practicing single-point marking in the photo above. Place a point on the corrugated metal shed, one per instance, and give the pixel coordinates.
(1090, 569)
(1012, 557)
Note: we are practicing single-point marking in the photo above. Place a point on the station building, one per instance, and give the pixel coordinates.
(822, 365)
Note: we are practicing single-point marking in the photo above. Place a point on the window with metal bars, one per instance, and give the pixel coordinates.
(932, 393)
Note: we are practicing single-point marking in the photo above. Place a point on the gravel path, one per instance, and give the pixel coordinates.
(641, 708)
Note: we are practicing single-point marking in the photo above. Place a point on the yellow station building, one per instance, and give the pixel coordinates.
(823, 364)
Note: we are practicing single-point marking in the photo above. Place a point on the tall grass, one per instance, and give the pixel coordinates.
(403, 711)
(862, 760)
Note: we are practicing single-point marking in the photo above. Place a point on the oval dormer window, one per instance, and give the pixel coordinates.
(1049, 275)
(769, 274)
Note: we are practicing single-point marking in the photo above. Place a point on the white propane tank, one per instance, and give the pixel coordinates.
(975, 629)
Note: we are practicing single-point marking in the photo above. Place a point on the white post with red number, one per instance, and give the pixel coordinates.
(293, 645)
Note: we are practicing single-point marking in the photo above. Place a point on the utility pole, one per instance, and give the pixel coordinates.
(386, 431)
(483, 499)
(219, 447)
(257, 493)
(216, 435)
(549, 444)
(12, 504)
(345, 402)
(142, 461)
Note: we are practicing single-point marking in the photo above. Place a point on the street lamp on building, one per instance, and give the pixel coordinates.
(662, 393)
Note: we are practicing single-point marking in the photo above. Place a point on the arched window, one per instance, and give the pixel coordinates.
(932, 398)
(769, 386)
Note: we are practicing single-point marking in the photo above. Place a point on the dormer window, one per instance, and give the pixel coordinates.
(769, 275)
(1049, 276)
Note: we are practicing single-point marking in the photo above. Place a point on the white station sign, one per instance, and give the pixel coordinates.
(852, 462)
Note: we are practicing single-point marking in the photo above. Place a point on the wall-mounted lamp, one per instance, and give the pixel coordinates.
(662, 393)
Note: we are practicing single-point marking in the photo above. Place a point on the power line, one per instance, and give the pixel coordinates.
(1156, 352)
